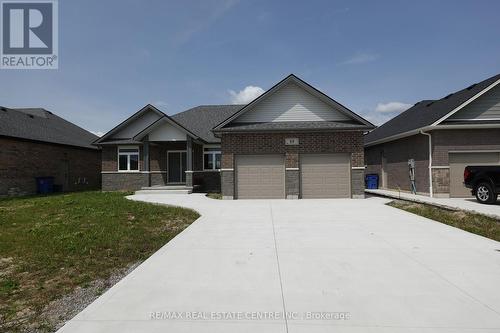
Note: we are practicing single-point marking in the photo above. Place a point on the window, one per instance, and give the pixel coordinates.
(211, 158)
(128, 159)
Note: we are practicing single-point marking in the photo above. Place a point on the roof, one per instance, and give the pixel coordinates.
(427, 112)
(41, 125)
(108, 137)
(364, 124)
(292, 126)
(202, 119)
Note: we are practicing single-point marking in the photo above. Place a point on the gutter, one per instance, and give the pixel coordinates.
(431, 194)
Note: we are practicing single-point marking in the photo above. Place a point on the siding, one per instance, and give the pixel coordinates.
(291, 103)
(137, 125)
(167, 132)
(485, 107)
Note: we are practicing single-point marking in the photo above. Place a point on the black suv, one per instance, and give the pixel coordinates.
(484, 182)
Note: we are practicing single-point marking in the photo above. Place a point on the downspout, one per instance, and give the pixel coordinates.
(430, 162)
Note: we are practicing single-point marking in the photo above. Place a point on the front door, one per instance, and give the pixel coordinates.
(176, 167)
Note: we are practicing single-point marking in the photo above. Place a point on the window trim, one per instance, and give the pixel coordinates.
(128, 158)
(213, 153)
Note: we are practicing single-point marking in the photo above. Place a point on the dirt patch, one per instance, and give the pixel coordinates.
(58, 312)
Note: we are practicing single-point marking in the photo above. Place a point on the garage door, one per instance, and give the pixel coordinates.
(325, 176)
(260, 177)
(458, 162)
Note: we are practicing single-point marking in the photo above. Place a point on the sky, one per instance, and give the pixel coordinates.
(375, 57)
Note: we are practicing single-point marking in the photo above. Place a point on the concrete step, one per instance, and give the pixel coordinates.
(166, 187)
(169, 191)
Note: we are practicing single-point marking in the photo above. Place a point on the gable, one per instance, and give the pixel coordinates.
(166, 132)
(486, 107)
(291, 103)
(136, 125)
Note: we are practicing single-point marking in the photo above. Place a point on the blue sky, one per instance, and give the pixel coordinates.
(375, 57)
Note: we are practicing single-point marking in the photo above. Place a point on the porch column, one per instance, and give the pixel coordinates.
(189, 161)
(145, 151)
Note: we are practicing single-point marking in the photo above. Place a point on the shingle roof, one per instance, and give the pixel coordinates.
(427, 112)
(42, 125)
(201, 119)
(292, 126)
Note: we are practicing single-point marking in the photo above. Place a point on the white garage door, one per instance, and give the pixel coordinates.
(325, 176)
(260, 177)
(458, 162)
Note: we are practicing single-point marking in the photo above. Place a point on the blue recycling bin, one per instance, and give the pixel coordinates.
(371, 181)
(44, 185)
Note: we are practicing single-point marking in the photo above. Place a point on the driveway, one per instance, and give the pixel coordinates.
(331, 265)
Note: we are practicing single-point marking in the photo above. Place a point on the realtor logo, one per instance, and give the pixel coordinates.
(29, 35)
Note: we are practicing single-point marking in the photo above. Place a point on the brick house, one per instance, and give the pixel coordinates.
(36, 143)
(291, 142)
(442, 137)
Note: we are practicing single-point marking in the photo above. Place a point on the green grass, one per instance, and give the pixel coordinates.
(51, 245)
(471, 222)
(217, 196)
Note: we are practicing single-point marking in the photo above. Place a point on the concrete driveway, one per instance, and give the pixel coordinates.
(330, 265)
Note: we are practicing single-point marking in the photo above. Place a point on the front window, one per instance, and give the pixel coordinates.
(211, 158)
(128, 159)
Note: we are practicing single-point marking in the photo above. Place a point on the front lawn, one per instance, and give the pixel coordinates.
(471, 222)
(56, 246)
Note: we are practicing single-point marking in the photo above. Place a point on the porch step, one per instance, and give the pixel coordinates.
(172, 189)
(164, 187)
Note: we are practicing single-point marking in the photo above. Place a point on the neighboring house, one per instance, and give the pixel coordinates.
(442, 136)
(293, 141)
(36, 143)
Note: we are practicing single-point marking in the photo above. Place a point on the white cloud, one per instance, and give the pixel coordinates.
(98, 133)
(392, 107)
(246, 95)
(360, 58)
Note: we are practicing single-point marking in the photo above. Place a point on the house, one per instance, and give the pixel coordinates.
(37, 143)
(442, 137)
(291, 142)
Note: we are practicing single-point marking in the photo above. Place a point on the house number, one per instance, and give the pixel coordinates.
(291, 141)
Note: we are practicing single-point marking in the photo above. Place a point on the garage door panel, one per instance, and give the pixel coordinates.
(325, 176)
(260, 176)
(458, 162)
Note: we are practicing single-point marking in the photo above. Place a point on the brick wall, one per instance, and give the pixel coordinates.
(76, 169)
(444, 141)
(265, 143)
(274, 143)
(397, 153)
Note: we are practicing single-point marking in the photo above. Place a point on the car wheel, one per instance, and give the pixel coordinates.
(484, 194)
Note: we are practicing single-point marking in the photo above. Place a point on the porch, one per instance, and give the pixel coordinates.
(188, 163)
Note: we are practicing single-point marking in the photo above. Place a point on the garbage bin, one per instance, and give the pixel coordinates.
(44, 185)
(371, 181)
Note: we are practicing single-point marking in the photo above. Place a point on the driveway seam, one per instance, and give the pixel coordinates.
(279, 268)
